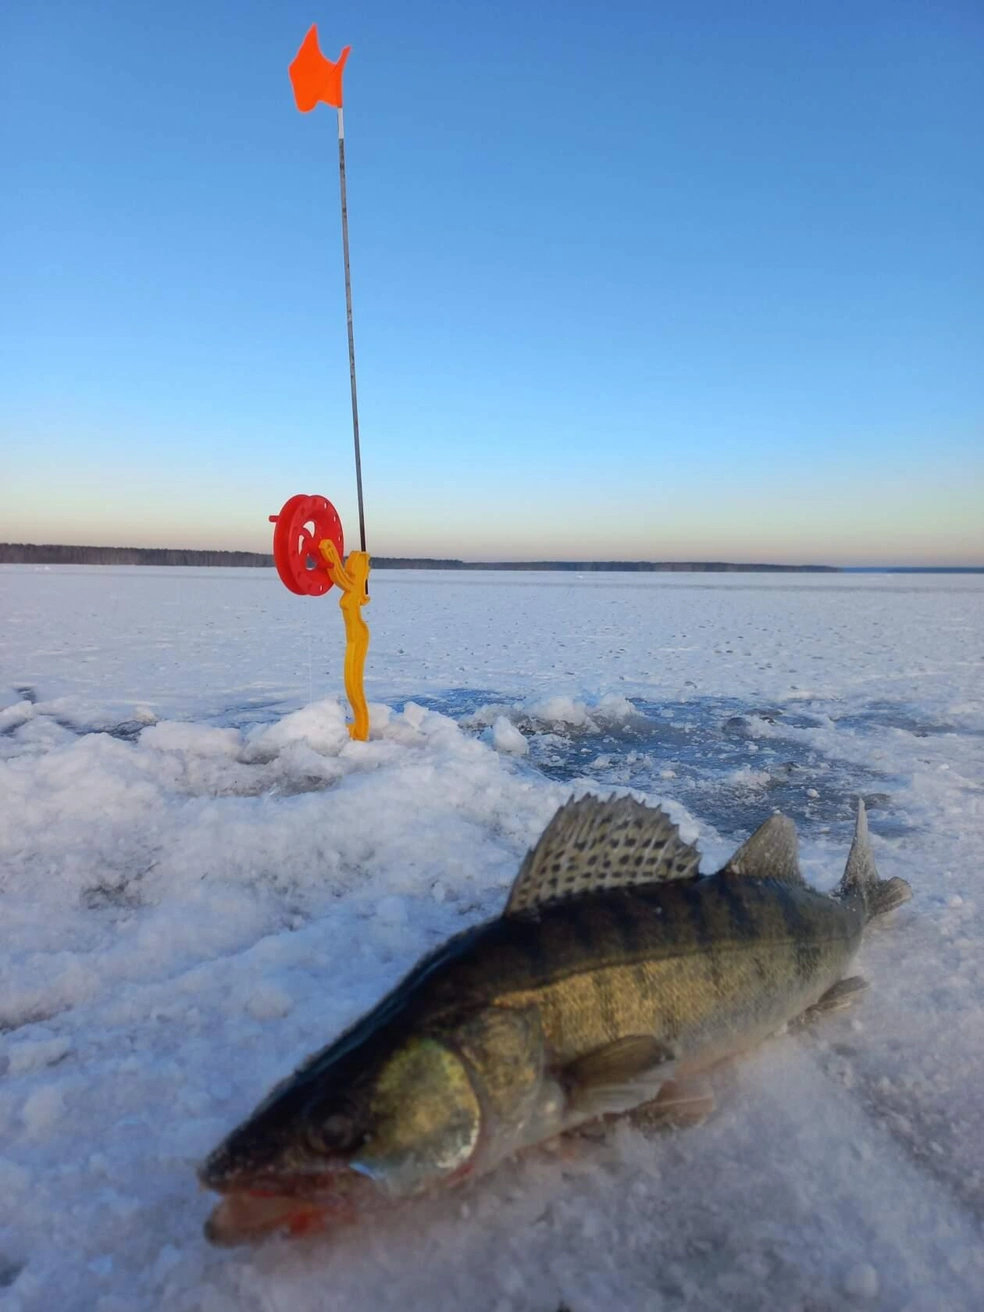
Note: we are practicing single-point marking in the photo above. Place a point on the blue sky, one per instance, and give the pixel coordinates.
(633, 280)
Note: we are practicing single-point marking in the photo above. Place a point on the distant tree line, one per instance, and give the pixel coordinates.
(29, 553)
(588, 566)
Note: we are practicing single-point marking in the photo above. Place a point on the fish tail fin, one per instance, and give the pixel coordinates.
(861, 880)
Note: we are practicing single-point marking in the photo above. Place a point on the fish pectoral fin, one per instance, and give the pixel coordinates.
(837, 998)
(686, 1102)
(770, 853)
(617, 1077)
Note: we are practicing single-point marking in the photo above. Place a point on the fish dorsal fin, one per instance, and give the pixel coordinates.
(595, 844)
(770, 853)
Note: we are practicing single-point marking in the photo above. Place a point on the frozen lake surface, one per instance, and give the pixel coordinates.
(202, 880)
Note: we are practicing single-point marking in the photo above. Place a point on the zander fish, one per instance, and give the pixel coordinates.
(615, 974)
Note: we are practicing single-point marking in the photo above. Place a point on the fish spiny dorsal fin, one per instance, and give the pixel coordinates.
(595, 844)
(770, 853)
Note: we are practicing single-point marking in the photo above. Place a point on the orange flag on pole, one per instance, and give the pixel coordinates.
(314, 78)
(317, 80)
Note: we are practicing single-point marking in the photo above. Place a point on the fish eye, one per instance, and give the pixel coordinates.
(333, 1133)
(337, 1127)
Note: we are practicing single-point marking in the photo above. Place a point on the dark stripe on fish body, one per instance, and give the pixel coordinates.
(626, 917)
(760, 967)
(583, 921)
(643, 983)
(694, 896)
(565, 938)
(536, 951)
(605, 1000)
(740, 914)
(799, 929)
(679, 926)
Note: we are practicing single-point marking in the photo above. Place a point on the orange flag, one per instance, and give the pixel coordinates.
(315, 78)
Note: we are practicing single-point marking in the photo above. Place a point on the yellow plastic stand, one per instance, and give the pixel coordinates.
(353, 580)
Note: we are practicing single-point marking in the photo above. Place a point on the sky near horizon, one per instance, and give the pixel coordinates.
(632, 281)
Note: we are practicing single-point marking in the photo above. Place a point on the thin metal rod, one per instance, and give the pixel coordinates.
(351, 335)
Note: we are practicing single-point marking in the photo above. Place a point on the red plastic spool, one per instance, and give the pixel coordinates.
(301, 525)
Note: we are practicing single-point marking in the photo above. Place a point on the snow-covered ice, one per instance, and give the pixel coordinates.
(202, 880)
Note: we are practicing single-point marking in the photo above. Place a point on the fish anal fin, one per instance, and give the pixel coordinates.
(684, 1102)
(770, 853)
(838, 997)
(617, 1077)
(594, 844)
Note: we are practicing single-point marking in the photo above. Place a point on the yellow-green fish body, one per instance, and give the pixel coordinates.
(615, 970)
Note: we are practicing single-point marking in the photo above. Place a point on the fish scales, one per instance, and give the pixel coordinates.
(666, 922)
(691, 957)
(552, 959)
(615, 970)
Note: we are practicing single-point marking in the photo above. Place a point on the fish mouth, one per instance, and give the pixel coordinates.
(251, 1211)
(247, 1218)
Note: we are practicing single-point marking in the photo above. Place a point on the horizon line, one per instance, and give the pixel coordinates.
(260, 559)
